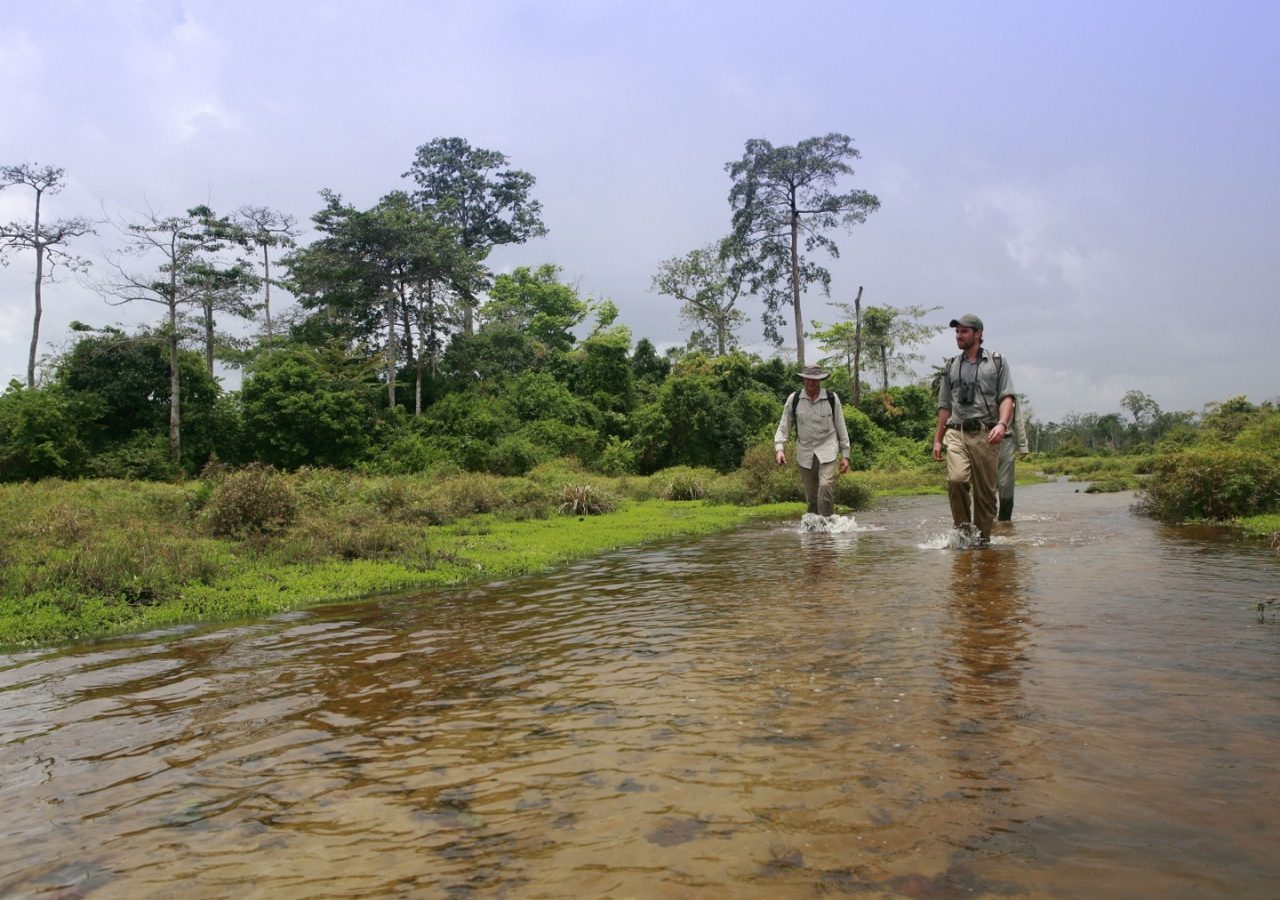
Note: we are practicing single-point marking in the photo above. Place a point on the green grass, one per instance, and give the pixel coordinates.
(1266, 527)
(90, 558)
(1092, 468)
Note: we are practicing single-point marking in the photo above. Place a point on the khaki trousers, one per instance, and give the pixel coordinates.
(820, 486)
(970, 459)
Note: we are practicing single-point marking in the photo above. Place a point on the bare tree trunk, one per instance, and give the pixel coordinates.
(175, 384)
(795, 286)
(857, 347)
(266, 300)
(208, 333)
(392, 348)
(411, 350)
(35, 328)
(468, 317)
(417, 382)
(429, 337)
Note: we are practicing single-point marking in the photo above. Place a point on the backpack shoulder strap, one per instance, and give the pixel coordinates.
(795, 402)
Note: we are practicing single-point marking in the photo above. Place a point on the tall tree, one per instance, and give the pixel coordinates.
(888, 334)
(844, 341)
(709, 286)
(840, 343)
(779, 196)
(46, 239)
(472, 190)
(119, 384)
(181, 252)
(265, 228)
(1145, 412)
(221, 285)
(538, 303)
(379, 270)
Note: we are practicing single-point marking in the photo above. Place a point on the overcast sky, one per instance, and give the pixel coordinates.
(1099, 181)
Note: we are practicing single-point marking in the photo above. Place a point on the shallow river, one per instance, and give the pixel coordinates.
(1091, 707)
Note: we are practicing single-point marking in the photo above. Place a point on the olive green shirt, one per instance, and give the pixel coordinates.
(992, 382)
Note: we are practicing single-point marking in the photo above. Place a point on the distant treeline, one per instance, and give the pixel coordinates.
(518, 392)
(406, 354)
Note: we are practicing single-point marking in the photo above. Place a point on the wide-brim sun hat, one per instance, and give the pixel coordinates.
(814, 372)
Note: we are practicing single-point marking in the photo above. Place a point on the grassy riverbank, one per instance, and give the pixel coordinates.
(90, 558)
(81, 559)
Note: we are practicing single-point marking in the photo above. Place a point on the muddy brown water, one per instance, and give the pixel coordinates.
(1091, 707)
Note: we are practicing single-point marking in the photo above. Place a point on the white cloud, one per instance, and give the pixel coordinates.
(181, 76)
(1029, 219)
(20, 65)
(12, 325)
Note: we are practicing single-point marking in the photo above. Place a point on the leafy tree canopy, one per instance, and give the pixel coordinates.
(784, 200)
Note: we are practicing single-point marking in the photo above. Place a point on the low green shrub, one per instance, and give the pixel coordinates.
(765, 480)
(731, 489)
(1212, 484)
(321, 487)
(1112, 484)
(141, 565)
(353, 534)
(617, 458)
(585, 500)
(515, 454)
(463, 495)
(556, 472)
(144, 457)
(683, 482)
(852, 492)
(406, 455)
(253, 501)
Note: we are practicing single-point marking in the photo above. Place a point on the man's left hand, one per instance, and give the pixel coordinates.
(844, 465)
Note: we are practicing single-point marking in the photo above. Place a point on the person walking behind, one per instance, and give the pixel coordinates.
(822, 438)
(1004, 471)
(975, 406)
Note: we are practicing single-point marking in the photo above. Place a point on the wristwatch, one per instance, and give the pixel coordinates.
(1004, 425)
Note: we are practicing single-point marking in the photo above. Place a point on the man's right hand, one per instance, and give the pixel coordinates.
(937, 450)
(782, 458)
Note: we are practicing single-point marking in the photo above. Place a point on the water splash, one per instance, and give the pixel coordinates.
(811, 522)
(962, 537)
(965, 537)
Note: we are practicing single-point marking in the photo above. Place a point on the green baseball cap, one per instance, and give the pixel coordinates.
(968, 320)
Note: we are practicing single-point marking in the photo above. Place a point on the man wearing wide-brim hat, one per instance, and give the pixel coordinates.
(822, 438)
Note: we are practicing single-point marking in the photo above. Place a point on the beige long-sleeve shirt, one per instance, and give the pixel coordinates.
(818, 433)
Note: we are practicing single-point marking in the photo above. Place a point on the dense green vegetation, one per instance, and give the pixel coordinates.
(97, 556)
(417, 419)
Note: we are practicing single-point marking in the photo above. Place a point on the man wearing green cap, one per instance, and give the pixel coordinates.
(975, 407)
(821, 438)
